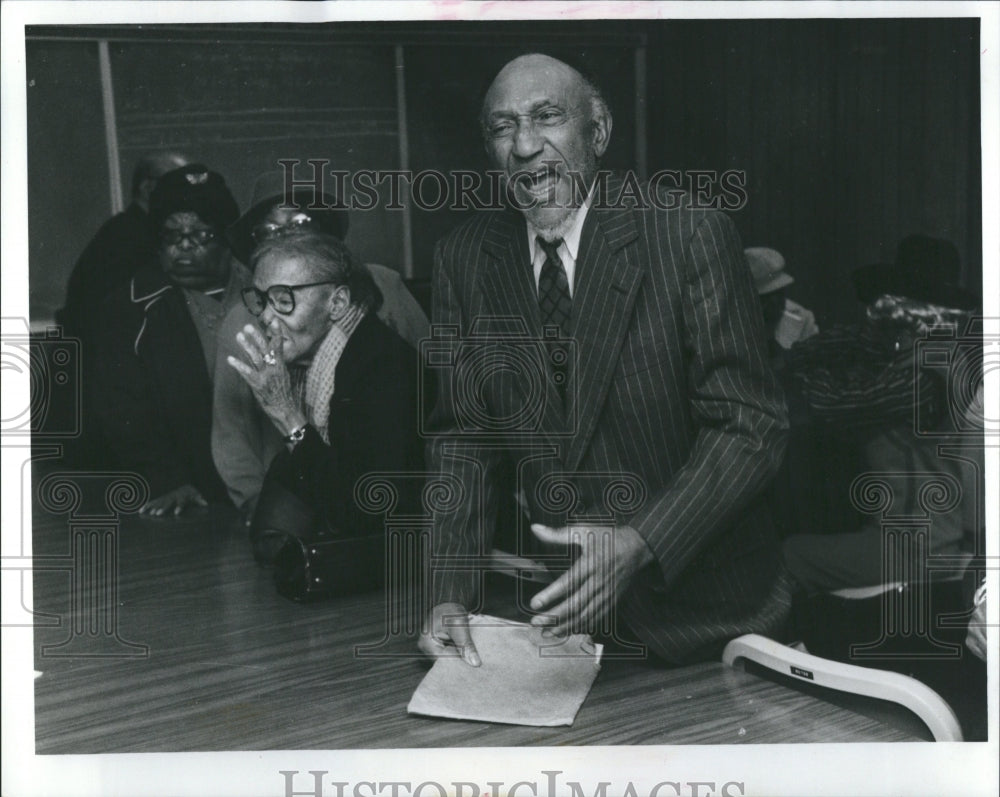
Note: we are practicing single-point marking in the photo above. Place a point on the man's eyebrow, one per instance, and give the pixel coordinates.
(536, 106)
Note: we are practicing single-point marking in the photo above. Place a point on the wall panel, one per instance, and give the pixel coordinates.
(68, 193)
(852, 133)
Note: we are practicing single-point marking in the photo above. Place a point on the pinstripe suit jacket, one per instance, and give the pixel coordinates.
(673, 421)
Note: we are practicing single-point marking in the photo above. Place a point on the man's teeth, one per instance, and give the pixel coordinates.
(535, 179)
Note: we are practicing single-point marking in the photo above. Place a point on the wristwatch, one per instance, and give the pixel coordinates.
(294, 437)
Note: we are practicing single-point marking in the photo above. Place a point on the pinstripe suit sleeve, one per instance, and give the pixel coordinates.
(734, 399)
(462, 529)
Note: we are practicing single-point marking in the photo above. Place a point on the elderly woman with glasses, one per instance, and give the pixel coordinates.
(244, 441)
(155, 345)
(337, 384)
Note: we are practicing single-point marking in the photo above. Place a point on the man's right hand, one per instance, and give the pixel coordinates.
(449, 634)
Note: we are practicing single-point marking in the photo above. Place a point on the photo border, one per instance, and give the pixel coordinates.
(859, 769)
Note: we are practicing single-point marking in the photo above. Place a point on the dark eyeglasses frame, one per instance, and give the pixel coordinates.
(256, 300)
(197, 237)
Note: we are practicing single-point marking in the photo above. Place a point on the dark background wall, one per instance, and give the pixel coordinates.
(852, 133)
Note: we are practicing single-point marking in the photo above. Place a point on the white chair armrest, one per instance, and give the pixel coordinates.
(908, 692)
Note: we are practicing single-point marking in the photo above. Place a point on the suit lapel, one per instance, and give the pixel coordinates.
(606, 286)
(508, 281)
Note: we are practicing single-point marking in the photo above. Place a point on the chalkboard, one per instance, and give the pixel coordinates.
(68, 194)
(240, 107)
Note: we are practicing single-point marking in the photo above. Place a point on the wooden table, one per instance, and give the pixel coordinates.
(232, 666)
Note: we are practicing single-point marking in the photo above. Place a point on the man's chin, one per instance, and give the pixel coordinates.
(548, 220)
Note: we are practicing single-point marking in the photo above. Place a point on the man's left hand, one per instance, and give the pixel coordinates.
(585, 594)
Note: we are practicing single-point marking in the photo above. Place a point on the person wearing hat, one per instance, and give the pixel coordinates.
(786, 321)
(861, 386)
(861, 375)
(924, 270)
(156, 344)
(122, 244)
(873, 404)
(244, 441)
(854, 381)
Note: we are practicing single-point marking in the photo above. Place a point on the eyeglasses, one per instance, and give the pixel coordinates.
(268, 230)
(280, 297)
(197, 237)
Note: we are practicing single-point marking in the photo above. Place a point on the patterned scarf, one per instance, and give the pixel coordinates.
(319, 381)
(920, 317)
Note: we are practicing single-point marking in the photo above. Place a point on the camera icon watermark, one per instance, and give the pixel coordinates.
(500, 381)
(958, 360)
(50, 364)
(42, 410)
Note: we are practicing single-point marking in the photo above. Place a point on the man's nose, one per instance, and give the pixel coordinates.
(186, 242)
(527, 142)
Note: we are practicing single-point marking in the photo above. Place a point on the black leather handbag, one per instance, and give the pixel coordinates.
(311, 559)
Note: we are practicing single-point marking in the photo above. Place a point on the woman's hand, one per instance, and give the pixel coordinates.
(268, 378)
(174, 502)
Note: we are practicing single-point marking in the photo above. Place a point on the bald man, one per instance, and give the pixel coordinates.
(124, 243)
(650, 423)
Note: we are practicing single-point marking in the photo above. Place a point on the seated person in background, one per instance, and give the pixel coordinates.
(905, 463)
(785, 321)
(917, 545)
(124, 242)
(243, 438)
(860, 376)
(155, 344)
(338, 385)
(860, 381)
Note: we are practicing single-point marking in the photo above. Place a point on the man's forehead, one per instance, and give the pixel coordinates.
(532, 81)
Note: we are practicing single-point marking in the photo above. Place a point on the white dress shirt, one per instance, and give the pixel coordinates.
(568, 249)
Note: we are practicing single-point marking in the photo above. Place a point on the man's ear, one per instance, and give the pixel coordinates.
(602, 130)
(340, 301)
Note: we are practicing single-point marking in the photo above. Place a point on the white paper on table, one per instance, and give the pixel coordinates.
(524, 679)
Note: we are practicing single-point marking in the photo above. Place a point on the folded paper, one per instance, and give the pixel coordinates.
(524, 679)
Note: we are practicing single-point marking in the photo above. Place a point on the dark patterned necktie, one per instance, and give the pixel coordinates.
(555, 304)
(553, 288)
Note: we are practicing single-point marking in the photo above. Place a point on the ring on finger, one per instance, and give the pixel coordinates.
(270, 359)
